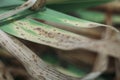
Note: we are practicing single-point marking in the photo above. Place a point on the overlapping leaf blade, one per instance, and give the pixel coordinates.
(32, 30)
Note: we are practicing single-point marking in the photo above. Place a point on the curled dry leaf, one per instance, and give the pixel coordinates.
(34, 65)
(21, 8)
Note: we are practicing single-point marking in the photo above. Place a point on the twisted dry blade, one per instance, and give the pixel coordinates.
(21, 8)
(19, 50)
(100, 67)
